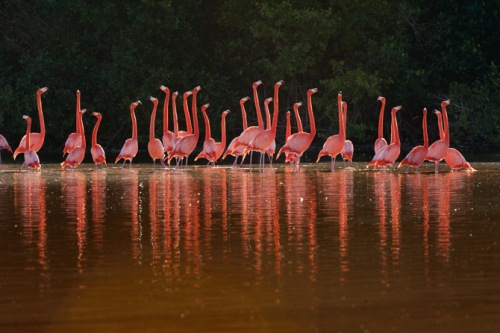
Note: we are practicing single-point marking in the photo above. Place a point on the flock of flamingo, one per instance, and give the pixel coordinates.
(179, 145)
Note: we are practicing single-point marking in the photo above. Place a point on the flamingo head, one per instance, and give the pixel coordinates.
(83, 111)
(224, 114)
(445, 103)
(204, 107)
(97, 115)
(27, 118)
(381, 98)
(134, 105)
(42, 90)
(280, 82)
(187, 93)
(154, 100)
(312, 91)
(244, 99)
(268, 100)
(257, 83)
(174, 95)
(397, 108)
(297, 105)
(437, 112)
(195, 90)
(425, 112)
(164, 89)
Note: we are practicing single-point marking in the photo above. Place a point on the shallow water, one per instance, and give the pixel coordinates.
(220, 250)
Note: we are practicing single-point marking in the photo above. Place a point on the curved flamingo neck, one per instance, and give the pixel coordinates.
(344, 116)
(310, 112)
(28, 130)
(288, 130)
(78, 108)
(195, 117)
(189, 127)
(257, 106)
(268, 114)
(424, 129)
(208, 134)
(223, 129)
(195, 114)
(96, 128)
(165, 110)
(174, 111)
(381, 119)
(341, 117)
(82, 131)
(40, 114)
(395, 127)
(440, 125)
(152, 121)
(446, 124)
(276, 106)
(134, 121)
(243, 113)
(297, 117)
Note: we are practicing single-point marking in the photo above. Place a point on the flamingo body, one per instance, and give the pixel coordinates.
(131, 146)
(76, 156)
(456, 161)
(98, 155)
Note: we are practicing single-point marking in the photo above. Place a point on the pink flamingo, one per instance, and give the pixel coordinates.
(250, 132)
(98, 155)
(298, 143)
(335, 143)
(155, 146)
(4, 145)
(230, 148)
(292, 157)
(131, 145)
(189, 127)
(31, 159)
(272, 147)
(74, 139)
(185, 146)
(169, 137)
(76, 156)
(438, 150)
(416, 156)
(222, 144)
(390, 154)
(266, 138)
(213, 150)
(380, 142)
(36, 139)
(348, 150)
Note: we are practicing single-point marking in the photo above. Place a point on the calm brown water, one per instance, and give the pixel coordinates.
(220, 250)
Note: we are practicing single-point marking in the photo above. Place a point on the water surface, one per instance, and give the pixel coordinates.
(221, 250)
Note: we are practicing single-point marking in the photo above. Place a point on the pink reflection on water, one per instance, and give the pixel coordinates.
(98, 206)
(381, 182)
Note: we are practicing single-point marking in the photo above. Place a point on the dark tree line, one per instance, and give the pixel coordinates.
(415, 53)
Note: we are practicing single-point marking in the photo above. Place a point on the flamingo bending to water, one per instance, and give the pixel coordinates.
(131, 145)
(36, 139)
(31, 159)
(155, 146)
(98, 155)
(298, 143)
(76, 156)
(417, 155)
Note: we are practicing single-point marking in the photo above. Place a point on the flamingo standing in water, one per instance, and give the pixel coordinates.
(4, 145)
(272, 147)
(212, 150)
(292, 157)
(31, 159)
(230, 148)
(265, 139)
(390, 154)
(98, 155)
(76, 156)
(298, 143)
(36, 139)
(250, 132)
(74, 139)
(335, 143)
(189, 126)
(169, 137)
(380, 142)
(155, 146)
(185, 146)
(438, 150)
(131, 146)
(348, 150)
(417, 155)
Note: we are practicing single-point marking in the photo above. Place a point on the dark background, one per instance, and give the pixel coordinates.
(415, 53)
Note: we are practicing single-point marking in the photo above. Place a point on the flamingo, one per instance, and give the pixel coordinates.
(272, 147)
(292, 157)
(189, 127)
(155, 146)
(4, 145)
(169, 137)
(348, 150)
(380, 142)
(31, 159)
(250, 132)
(230, 148)
(298, 143)
(76, 156)
(438, 150)
(390, 154)
(213, 150)
(335, 143)
(416, 156)
(36, 139)
(74, 139)
(187, 144)
(130, 147)
(98, 155)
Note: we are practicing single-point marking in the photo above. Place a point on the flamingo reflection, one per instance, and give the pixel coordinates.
(98, 202)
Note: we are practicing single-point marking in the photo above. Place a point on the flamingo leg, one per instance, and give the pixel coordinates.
(436, 167)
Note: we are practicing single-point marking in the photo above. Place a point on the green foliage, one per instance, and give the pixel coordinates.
(115, 52)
